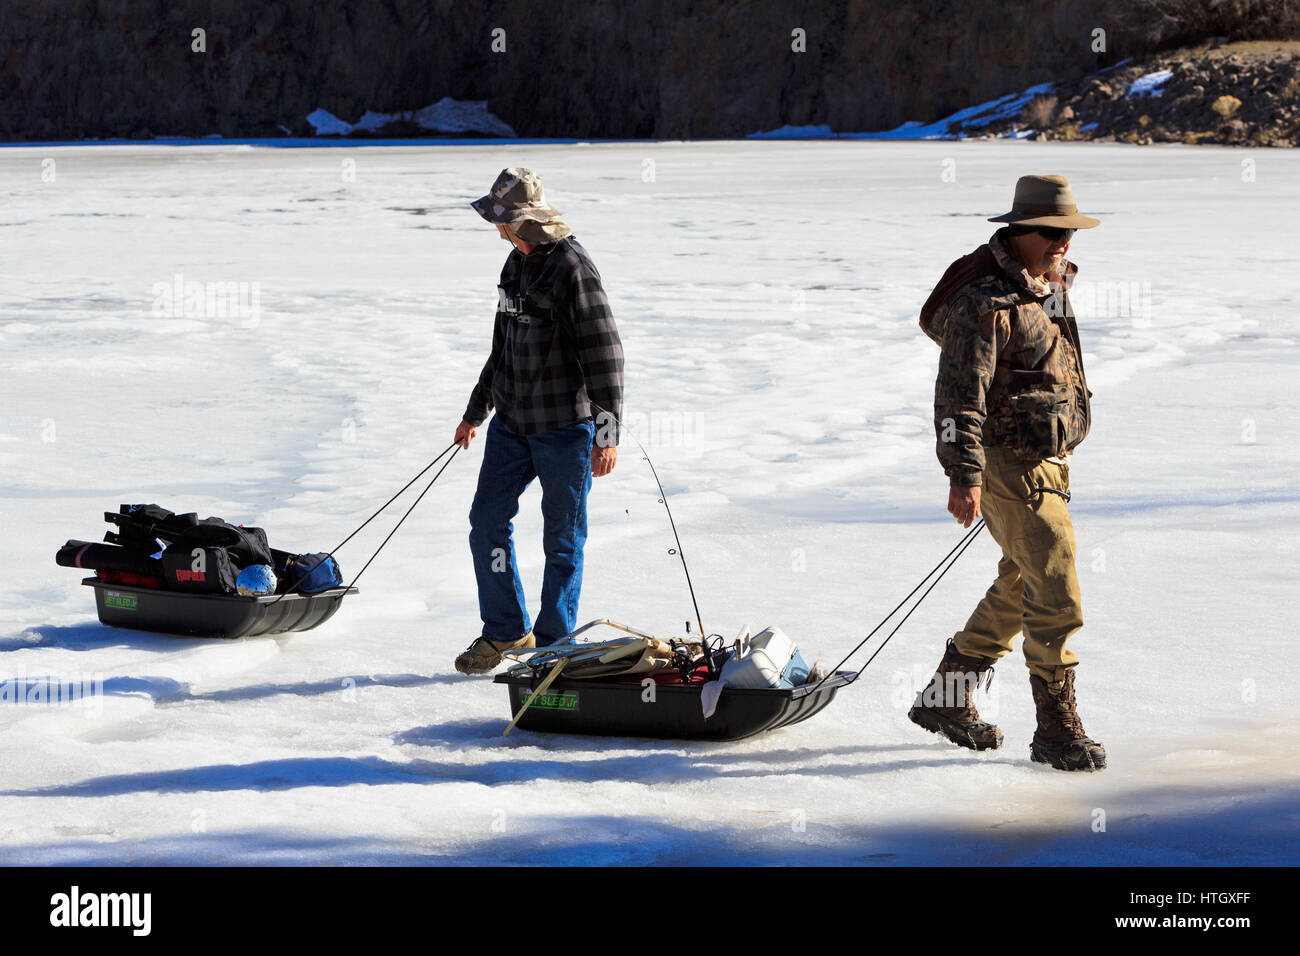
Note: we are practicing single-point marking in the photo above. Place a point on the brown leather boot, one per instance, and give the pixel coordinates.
(483, 654)
(946, 705)
(1059, 739)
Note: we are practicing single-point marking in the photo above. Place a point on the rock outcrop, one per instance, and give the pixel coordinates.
(1247, 94)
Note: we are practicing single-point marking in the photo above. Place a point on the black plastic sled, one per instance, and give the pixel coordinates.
(212, 615)
(618, 709)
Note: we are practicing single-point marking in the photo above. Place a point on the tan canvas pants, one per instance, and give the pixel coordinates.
(1037, 590)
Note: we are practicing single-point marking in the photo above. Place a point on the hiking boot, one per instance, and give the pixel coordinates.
(1059, 739)
(484, 655)
(946, 705)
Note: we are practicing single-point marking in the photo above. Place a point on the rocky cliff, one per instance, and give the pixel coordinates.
(111, 68)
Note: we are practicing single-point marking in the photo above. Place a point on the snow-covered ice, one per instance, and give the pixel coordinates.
(767, 295)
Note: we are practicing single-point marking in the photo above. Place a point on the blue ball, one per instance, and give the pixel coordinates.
(255, 580)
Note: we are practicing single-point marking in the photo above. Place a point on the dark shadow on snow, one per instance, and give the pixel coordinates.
(1252, 829)
(93, 636)
(333, 685)
(296, 772)
(166, 691)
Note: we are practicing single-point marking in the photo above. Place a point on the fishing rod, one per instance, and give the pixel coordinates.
(679, 551)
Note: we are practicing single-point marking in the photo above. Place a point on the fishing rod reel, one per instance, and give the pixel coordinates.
(690, 655)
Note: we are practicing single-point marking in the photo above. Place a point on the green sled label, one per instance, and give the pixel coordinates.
(552, 700)
(123, 602)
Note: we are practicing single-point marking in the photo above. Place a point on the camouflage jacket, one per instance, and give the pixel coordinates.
(1011, 369)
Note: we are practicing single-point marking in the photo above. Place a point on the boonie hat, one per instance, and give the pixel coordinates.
(515, 196)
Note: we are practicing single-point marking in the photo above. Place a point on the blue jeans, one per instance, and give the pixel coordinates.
(561, 460)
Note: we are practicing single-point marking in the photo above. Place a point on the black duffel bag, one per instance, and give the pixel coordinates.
(199, 570)
(246, 545)
(199, 556)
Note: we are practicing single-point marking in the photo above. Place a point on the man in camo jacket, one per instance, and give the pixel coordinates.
(1011, 403)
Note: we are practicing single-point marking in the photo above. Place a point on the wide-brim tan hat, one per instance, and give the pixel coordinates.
(515, 196)
(1045, 201)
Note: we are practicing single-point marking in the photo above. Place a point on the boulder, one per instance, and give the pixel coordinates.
(1225, 106)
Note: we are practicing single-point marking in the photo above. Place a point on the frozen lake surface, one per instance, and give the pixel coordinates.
(767, 295)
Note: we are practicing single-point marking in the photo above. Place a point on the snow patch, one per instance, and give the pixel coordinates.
(796, 132)
(326, 123)
(972, 117)
(445, 116)
(1149, 85)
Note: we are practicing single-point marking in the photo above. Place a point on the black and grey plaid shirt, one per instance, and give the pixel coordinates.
(555, 350)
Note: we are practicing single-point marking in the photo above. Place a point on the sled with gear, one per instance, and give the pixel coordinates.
(640, 686)
(212, 615)
(181, 575)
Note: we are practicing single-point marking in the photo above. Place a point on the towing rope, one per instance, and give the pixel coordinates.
(329, 554)
(408, 510)
(942, 569)
(954, 554)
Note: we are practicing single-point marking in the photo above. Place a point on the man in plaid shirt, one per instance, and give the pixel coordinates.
(555, 379)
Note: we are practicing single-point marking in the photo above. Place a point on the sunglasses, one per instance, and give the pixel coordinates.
(1054, 233)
